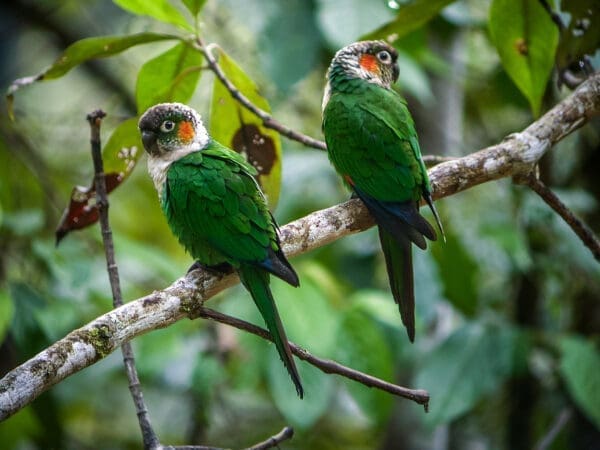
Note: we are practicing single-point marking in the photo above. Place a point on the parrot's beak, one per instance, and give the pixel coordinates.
(395, 72)
(149, 141)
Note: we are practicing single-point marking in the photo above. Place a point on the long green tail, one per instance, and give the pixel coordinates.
(398, 260)
(256, 280)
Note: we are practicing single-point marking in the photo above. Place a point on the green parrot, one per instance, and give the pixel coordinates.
(217, 211)
(372, 143)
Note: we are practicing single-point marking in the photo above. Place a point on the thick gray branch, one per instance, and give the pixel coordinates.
(515, 156)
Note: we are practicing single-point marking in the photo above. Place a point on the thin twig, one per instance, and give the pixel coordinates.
(268, 120)
(149, 437)
(579, 227)
(559, 423)
(275, 440)
(419, 396)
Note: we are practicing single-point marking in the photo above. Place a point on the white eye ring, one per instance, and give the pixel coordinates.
(167, 125)
(384, 56)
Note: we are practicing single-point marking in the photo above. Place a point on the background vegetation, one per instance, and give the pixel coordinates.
(508, 310)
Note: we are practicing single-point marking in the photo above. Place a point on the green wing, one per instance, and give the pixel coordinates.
(372, 143)
(216, 209)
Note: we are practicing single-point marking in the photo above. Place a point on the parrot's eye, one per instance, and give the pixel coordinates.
(384, 56)
(167, 125)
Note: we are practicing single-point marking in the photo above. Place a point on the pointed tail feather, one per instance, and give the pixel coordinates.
(429, 200)
(398, 261)
(256, 280)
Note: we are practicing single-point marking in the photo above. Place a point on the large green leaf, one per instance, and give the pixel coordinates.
(236, 127)
(459, 273)
(362, 346)
(580, 367)
(469, 365)
(120, 155)
(82, 51)
(410, 17)
(526, 40)
(170, 77)
(161, 10)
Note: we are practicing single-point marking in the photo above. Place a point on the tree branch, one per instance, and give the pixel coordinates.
(325, 365)
(274, 441)
(515, 156)
(581, 229)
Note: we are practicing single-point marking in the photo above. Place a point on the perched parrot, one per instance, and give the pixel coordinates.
(372, 143)
(217, 211)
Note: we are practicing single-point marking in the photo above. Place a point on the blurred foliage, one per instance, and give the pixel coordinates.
(508, 311)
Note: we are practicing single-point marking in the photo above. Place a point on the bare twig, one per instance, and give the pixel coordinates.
(83, 347)
(579, 227)
(149, 437)
(561, 420)
(275, 440)
(325, 365)
(268, 120)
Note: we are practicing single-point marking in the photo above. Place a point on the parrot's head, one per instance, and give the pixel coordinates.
(172, 130)
(373, 61)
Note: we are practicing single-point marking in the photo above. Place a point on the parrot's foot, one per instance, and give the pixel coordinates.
(217, 269)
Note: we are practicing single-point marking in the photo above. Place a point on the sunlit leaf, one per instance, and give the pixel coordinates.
(82, 51)
(161, 10)
(170, 77)
(361, 345)
(194, 6)
(526, 40)
(469, 365)
(580, 367)
(236, 127)
(410, 17)
(120, 155)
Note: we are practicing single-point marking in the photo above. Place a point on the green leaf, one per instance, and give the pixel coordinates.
(526, 40)
(362, 346)
(7, 310)
(82, 51)
(410, 17)
(170, 77)
(161, 10)
(120, 156)
(469, 365)
(459, 273)
(194, 6)
(236, 127)
(580, 367)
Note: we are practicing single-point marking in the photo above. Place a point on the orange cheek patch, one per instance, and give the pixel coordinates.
(186, 132)
(369, 62)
